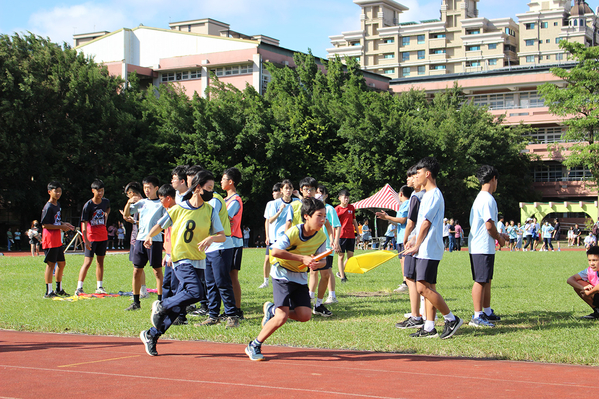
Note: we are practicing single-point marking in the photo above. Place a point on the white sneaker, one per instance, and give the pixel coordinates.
(144, 294)
(101, 290)
(331, 299)
(263, 285)
(407, 315)
(402, 288)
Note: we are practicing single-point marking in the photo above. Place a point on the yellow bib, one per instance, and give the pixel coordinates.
(190, 227)
(223, 215)
(301, 246)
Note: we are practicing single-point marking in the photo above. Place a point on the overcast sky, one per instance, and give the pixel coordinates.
(299, 25)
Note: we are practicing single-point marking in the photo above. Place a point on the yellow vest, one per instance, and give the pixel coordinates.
(223, 215)
(297, 213)
(190, 227)
(297, 245)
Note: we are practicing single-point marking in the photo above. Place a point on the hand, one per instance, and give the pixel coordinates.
(204, 244)
(88, 245)
(381, 215)
(148, 242)
(134, 198)
(336, 247)
(283, 206)
(68, 226)
(267, 242)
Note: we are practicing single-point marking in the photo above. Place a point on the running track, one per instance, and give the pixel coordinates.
(39, 365)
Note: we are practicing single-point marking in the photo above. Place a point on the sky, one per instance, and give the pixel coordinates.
(299, 25)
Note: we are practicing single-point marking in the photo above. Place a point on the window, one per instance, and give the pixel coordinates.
(420, 39)
(388, 40)
(181, 75)
(559, 57)
(405, 72)
(405, 41)
(472, 63)
(234, 70)
(389, 71)
(405, 57)
(493, 61)
(509, 47)
(579, 173)
(555, 24)
(510, 32)
(544, 25)
(421, 54)
(389, 56)
(492, 46)
(558, 39)
(355, 43)
(547, 41)
(473, 48)
(575, 22)
(530, 58)
(529, 26)
(531, 100)
(438, 51)
(421, 70)
(473, 32)
(548, 172)
(494, 101)
(548, 57)
(547, 135)
(437, 67)
(437, 36)
(530, 42)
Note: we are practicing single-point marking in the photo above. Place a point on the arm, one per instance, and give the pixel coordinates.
(492, 230)
(412, 249)
(409, 228)
(62, 226)
(206, 242)
(356, 226)
(276, 215)
(154, 232)
(266, 231)
(88, 245)
(383, 215)
(306, 260)
(127, 211)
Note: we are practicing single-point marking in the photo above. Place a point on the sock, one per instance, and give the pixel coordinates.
(449, 317)
(429, 325)
(79, 284)
(266, 280)
(312, 295)
(48, 288)
(99, 284)
(488, 311)
(136, 299)
(417, 318)
(477, 314)
(160, 297)
(256, 343)
(318, 302)
(58, 286)
(332, 294)
(144, 290)
(404, 282)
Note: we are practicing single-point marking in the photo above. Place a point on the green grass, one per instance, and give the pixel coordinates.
(539, 310)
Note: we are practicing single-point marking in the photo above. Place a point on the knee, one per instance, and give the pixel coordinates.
(304, 316)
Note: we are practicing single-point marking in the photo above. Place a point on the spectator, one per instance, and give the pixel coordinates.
(10, 239)
(577, 233)
(519, 233)
(446, 234)
(246, 236)
(17, 235)
(451, 235)
(556, 233)
(111, 231)
(35, 238)
(571, 236)
(366, 234)
(459, 234)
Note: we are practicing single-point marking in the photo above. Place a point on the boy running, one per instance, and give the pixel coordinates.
(52, 225)
(93, 228)
(347, 242)
(292, 254)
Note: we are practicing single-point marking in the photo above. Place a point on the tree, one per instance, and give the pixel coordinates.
(578, 104)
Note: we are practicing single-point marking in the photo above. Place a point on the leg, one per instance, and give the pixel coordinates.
(341, 264)
(266, 266)
(478, 296)
(159, 279)
(234, 274)
(60, 271)
(138, 276)
(414, 297)
(87, 261)
(49, 272)
(100, 268)
(425, 289)
(313, 281)
(325, 276)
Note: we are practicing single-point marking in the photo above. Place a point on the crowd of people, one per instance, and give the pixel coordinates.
(200, 232)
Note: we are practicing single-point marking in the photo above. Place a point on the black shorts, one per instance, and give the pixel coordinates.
(512, 240)
(328, 265)
(400, 249)
(236, 264)
(140, 255)
(54, 255)
(98, 248)
(267, 250)
(409, 267)
(290, 294)
(426, 270)
(482, 266)
(347, 245)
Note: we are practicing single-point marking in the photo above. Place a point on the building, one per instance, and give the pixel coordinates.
(187, 53)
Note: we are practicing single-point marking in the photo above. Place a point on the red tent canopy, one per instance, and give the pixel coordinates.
(386, 198)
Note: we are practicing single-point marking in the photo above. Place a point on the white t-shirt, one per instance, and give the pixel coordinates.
(432, 209)
(483, 209)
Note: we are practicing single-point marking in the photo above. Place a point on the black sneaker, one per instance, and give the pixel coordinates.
(190, 309)
(239, 314)
(491, 317)
(180, 321)
(322, 310)
(421, 333)
(410, 323)
(62, 293)
(134, 306)
(157, 312)
(451, 327)
(149, 342)
(79, 291)
(50, 295)
(591, 316)
(344, 280)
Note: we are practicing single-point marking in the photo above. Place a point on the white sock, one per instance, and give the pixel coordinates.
(449, 317)
(49, 288)
(144, 290)
(266, 280)
(477, 314)
(429, 325)
(318, 302)
(417, 318)
(99, 283)
(312, 295)
(488, 311)
(332, 294)
(79, 284)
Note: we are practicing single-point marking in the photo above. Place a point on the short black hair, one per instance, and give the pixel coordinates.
(193, 170)
(486, 173)
(134, 186)
(343, 191)
(287, 182)
(406, 191)
(594, 250)
(431, 164)
(97, 184)
(153, 180)
(323, 189)
(180, 171)
(308, 181)
(199, 180)
(411, 171)
(311, 205)
(166, 190)
(276, 187)
(53, 185)
(233, 174)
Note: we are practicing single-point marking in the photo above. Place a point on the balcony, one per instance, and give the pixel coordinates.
(566, 188)
(437, 43)
(437, 57)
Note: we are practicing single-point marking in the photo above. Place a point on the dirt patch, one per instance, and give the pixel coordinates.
(362, 294)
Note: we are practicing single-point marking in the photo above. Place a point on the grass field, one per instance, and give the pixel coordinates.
(539, 310)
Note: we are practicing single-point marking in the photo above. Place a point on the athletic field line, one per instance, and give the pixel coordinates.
(98, 361)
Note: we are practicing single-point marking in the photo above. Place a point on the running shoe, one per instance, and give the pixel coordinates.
(101, 290)
(149, 342)
(480, 322)
(451, 327)
(254, 352)
(269, 312)
(410, 323)
(422, 333)
(322, 310)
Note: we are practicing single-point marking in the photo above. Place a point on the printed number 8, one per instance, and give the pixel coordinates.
(189, 227)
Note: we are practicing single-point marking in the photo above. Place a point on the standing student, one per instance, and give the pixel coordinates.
(458, 236)
(18, 239)
(35, 237)
(556, 233)
(229, 181)
(347, 242)
(270, 215)
(51, 240)
(512, 232)
(481, 246)
(179, 181)
(427, 247)
(293, 254)
(120, 234)
(150, 210)
(195, 226)
(95, 235)
(547, 231)
(10, 239)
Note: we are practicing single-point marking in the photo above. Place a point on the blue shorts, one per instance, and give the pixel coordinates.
(54, 255)
(98, 248)
(141, 255)
(290, 294)
(482, 266)
(426, 270)
(400, 249)
(328, 265)
(409, 267)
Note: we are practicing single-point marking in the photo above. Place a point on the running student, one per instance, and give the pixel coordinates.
(270, 212)
(150, 210)
(427, 248)
(586, 283)
(292, 254)
(195, 226)
(347, 242)
(52, 225)
(481, 245)
(95, 236)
